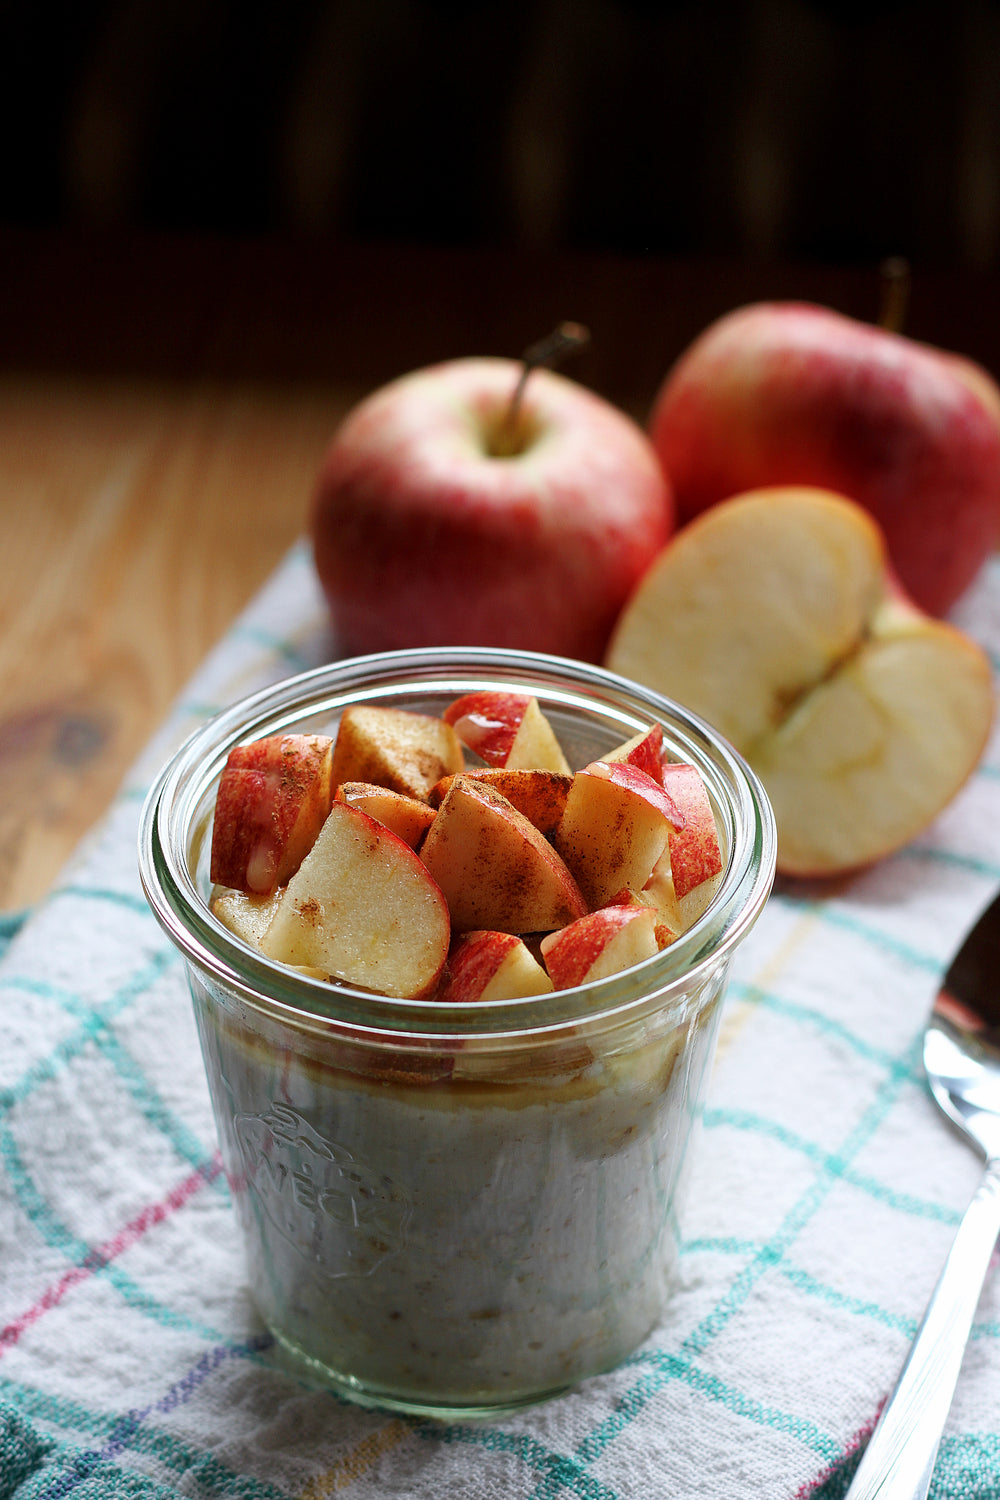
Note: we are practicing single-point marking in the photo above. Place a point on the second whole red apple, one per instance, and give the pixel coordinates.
(785, 393)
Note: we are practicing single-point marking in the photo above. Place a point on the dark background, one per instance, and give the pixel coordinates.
(772, 129)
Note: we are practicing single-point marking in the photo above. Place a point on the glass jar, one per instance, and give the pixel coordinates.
(447, 1209)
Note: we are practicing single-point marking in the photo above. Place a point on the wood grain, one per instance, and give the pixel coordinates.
(138, 519)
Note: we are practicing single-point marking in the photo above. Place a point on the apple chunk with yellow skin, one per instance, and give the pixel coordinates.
(494, 867)
(507, 729)
(484, 966)
(408, 817)
(614, 828)
(395, 748)
(600, 944)
(273, 797)
(364, 908)
(774, 616)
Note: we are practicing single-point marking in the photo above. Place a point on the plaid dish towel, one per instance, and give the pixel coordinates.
(828, 1189)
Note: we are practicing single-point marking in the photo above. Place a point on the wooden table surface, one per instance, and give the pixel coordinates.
(164, 406)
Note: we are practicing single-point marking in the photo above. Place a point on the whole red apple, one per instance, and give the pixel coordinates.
(439, 521)
(791, 393)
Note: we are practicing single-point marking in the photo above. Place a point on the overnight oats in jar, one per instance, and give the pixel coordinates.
(457, 1008)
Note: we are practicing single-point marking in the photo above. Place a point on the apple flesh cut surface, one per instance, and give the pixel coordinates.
(792, 393)
(773, 616)
(407, 817)
(364, 908)
(273, 797)
(246, 915)
(614, 828)
(539, 795)
(507, 730)
(495, 868)
(406, 752)
(436, 522)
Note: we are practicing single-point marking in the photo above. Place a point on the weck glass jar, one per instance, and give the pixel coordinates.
(448, 1209)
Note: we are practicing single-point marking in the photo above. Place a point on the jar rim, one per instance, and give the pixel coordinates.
(179, 796)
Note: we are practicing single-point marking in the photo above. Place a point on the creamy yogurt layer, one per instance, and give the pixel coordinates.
(486, 1231)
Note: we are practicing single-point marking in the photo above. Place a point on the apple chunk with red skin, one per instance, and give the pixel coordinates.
(364, 908)
(689, 871)
(408, 817)
(273, 797)
(774, 617)
(495, 868)
(644, 750)
(435, 522)
(485, 966)
(507, 730)
(792, 393)
(614, 828)
(602, 943)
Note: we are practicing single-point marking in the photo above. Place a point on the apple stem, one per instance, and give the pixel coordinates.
(895, 278)
(565, 339)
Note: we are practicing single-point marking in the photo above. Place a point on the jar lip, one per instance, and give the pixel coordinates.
(179, 795)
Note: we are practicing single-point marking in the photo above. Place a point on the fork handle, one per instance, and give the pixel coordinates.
(899, 1460)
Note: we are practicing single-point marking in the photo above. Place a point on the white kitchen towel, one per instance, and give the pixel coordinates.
(827, 1191)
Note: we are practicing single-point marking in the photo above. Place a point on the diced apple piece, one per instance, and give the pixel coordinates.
(248, 916)
(491, 966)
(508, 730)
(539, 795)
(494, 867)
(667, 931)
(614, 828)
(774, 616)
(408, 817)
(406, 752)
(364, 908)
(600, 944)
(681, 912)
(644, 750)
(273, 797)
(689, 872)
(695, 853)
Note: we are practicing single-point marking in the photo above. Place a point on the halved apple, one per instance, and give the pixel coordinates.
(363, 907)
(774, 616)
(507, 729)
(406, 752)
(273, 797)
(495, 868)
